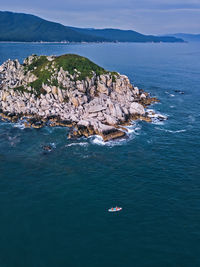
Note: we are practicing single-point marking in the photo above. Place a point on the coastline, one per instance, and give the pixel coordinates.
(103, 42)
(71, 91)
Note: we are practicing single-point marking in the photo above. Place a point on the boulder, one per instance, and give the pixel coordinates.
(110, 133)
(5, 94)
(119, 112)
(84, 123)
(137, 108)
(136, 91)
(75, 102)
(96, 108)
(111, 120)
(102, 88)
(54, 90)
(81, 86)
(60, 95)
(143, 96)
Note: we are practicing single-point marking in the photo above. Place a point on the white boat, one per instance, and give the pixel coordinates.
(115, 209)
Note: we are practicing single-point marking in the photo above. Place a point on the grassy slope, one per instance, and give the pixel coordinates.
(68, 62)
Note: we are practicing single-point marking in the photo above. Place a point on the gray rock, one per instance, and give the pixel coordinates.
(81, 86)
(111, 120)
(143, 96)
(137, 108)
(85, 123)
(102, 88)
(96, 108)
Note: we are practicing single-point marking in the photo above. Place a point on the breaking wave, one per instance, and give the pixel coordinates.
(98, 140)
(132, 131)
(157, 118)
(19, 125)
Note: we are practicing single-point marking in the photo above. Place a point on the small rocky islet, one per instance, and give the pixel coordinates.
(70, 91)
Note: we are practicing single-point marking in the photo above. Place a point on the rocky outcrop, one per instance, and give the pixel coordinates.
(44, 92)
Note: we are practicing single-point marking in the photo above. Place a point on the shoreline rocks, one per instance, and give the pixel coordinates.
(95, 105)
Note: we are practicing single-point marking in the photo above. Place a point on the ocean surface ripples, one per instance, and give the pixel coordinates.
(54, 204)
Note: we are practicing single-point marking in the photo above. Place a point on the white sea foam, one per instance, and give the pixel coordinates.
(19, 125)
(132, 131)
(157, 118)
(157, 121)
(150, 110)
(171, 131)
(97, 140)
(131, 128)
(78, 144)
(53, 145)
(168, 93)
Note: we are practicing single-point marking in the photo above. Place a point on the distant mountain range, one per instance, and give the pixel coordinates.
(187, 37)
(19, 27)
(116, 35)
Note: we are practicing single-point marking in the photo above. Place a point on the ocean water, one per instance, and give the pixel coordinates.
(53, 206)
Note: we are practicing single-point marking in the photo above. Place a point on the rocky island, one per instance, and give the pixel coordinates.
(70, 91)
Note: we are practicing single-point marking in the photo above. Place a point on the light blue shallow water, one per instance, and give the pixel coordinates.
(54, 206)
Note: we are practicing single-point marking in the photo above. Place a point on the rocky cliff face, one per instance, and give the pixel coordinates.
(70, 91)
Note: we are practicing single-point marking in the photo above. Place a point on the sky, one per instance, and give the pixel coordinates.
(145, 16)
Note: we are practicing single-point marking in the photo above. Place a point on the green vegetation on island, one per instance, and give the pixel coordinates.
(78, 65)
(46, 70)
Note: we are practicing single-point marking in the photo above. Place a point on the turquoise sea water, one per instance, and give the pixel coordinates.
(53, 206)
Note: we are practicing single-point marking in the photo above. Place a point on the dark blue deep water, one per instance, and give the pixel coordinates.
(53, 207)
